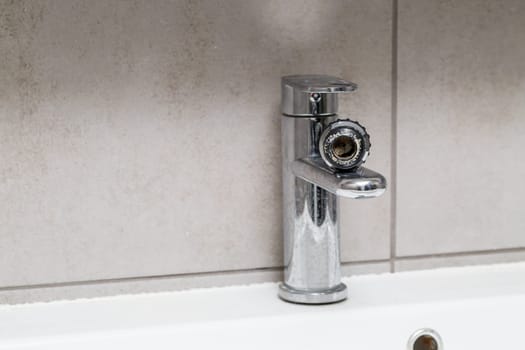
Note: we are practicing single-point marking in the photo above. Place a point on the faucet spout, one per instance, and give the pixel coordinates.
(356, 184)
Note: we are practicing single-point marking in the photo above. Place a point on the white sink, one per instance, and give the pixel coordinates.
(472, 308)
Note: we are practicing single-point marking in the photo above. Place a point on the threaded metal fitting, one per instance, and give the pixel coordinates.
(344, 144)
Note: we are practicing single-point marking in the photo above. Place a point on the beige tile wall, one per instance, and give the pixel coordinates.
(142, 139)
(139, 141)
(461, 121)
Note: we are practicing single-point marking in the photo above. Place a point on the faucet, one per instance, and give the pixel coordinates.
(322, 155)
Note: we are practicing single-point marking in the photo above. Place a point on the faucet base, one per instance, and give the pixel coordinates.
(329, 296)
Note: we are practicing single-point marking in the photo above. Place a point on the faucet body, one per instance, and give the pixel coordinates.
(311, 189)
(311, 232)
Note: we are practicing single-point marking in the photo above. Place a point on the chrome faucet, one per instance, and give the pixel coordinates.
(322, 156)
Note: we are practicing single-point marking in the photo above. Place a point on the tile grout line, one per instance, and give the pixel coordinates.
(139, 278)
(393, 145)
(262, 269)
(463, 254)
(167, 276)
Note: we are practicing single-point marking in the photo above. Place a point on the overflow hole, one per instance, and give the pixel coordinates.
(425, 339)
(425, 342)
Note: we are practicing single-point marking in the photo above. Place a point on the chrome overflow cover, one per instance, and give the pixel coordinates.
(425, 339)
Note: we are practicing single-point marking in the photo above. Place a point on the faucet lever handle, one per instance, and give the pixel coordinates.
(312, 95)
(322, 84)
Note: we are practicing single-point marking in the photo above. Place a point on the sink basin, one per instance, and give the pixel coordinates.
(474, 308)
